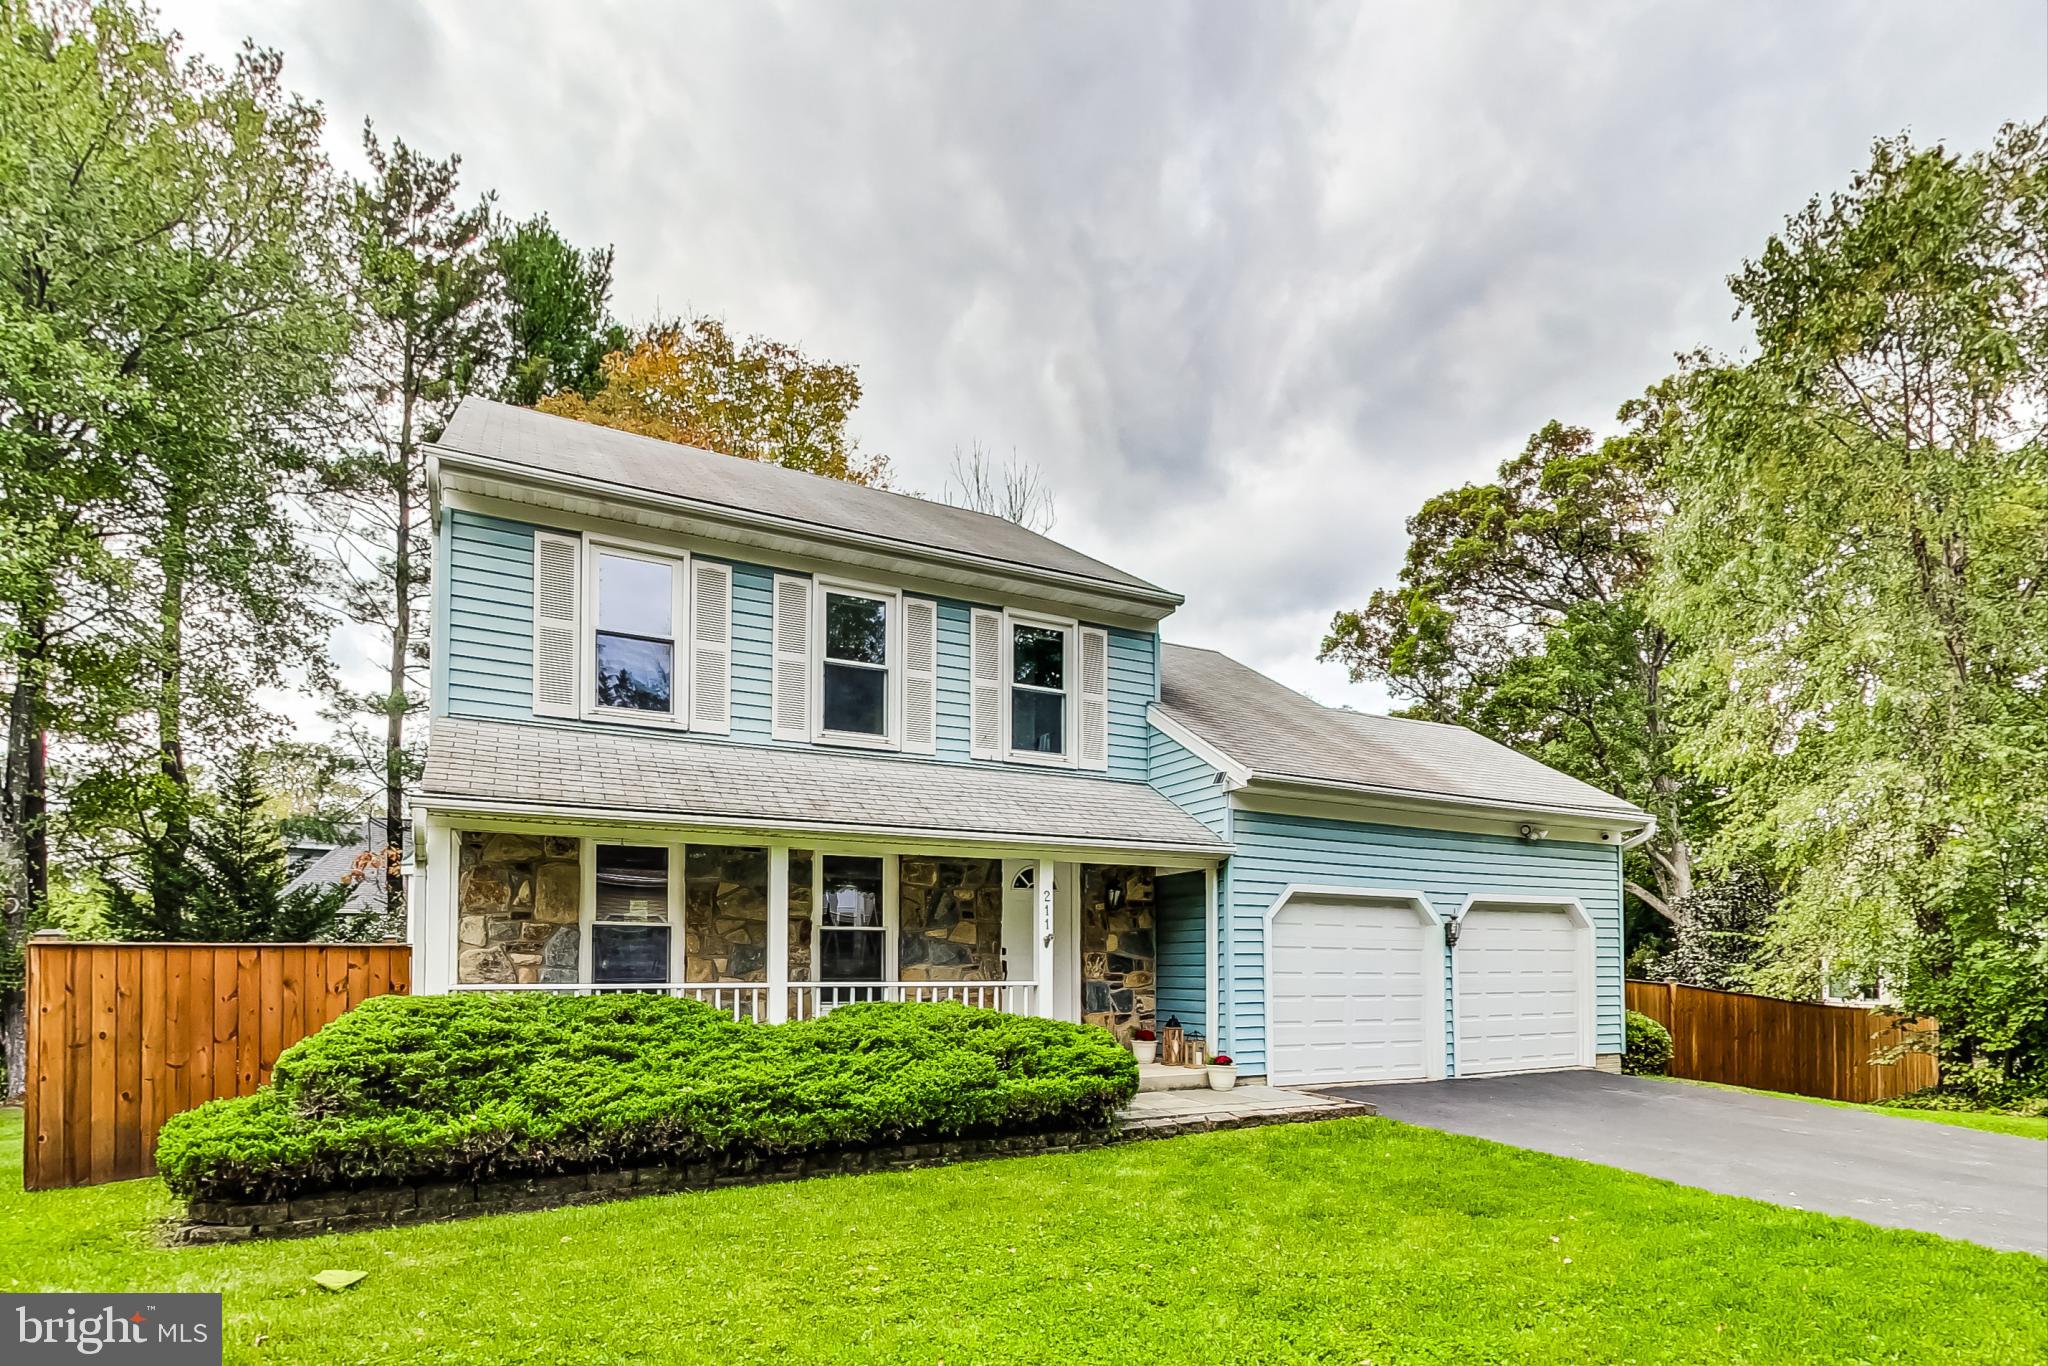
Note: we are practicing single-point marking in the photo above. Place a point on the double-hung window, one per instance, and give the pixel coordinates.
(634, 643)
(856, 665)
(631, 930)
(1039, 675)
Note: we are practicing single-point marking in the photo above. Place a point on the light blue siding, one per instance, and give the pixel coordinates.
(1182, 962)
(1446, 866)
(1189, 783)
(753, 650)
(1133, 685)
(955, 681)
(484, 646)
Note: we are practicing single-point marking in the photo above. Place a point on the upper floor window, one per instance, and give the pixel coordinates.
(634, 644)
(1038, 689)
(853, 686)
(627, 632)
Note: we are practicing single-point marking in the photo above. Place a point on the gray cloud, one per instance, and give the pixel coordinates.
(1249, 282)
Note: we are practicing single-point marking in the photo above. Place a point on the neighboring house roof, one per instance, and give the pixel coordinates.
(333, 865)
(1270, 732)
(594, 769)
(631, 464)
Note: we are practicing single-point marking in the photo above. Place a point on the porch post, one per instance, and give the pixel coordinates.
(778, 933)
(434, 924)
(1041, 942)
(1212, 1026)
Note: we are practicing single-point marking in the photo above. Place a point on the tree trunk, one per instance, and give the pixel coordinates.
(395, 702)
(24, 844)
(168, 884)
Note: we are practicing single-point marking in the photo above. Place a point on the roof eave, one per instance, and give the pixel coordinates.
(432, 803)
(1147, 601)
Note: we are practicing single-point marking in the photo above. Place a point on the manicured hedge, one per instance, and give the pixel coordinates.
(431, 1088)
(1649, 1047)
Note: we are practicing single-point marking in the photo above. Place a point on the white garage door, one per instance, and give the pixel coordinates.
(1355, 993)
(1520, 996)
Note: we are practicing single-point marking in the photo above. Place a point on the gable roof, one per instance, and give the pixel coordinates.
(629, 465)
(596, 769)
(1273, 733)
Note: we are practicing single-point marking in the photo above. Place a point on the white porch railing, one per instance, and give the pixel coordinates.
(811, 999)
(806, 1001)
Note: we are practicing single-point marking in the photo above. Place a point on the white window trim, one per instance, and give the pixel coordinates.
(586, 911)
(1070, 661)
(682, 634)
(891, 896)
(892, 688)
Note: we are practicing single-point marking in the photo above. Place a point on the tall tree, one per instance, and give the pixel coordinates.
(558, 323)
(165, 317)
(761, 400)
(1521, 614)
(1858, 557)
(427, 298)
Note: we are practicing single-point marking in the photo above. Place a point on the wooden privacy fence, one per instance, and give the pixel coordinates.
(123, 1036)
(1797, 1046)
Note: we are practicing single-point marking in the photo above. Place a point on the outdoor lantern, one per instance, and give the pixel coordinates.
(1451, 927)
(1113, 893)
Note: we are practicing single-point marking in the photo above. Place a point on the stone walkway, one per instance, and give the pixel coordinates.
(1163, 1114)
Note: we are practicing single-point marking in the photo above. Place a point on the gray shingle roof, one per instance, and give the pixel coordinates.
(585, 451)
(1273, 732)
(549, 768)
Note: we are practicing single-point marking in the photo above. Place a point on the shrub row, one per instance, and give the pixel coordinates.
(445, 1088)
(1648, 1052)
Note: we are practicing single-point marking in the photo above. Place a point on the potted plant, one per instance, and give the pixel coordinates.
(1222, 1072)
(1144, 1045)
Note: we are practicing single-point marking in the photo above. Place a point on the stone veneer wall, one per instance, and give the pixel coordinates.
(950, 920)
(725, 914)
(519, 897)
(799, 915)
(1119, 950)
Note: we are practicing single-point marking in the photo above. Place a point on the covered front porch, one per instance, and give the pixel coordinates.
(787, 925)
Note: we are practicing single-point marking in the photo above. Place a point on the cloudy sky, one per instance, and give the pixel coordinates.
(1248, 281)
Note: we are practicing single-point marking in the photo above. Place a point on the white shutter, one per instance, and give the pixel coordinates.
(792, 680)
(556, 641)
(710, 647)
(1094, 751)
(920, 676)
(985, 693)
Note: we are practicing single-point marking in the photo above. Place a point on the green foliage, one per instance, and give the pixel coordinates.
(234, 878)
(1856, 557)
(460, 1087)
(558, 323)
(1965, 1090)
(1719, 933)
(1647, 1051)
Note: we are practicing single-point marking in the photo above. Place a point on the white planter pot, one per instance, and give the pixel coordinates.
(1222, 1078)
(1145, 1050)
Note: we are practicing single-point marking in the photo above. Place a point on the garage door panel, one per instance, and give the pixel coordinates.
(1351, 994)
(1521, 1003)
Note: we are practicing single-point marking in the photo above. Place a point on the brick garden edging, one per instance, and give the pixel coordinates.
(213, 1221)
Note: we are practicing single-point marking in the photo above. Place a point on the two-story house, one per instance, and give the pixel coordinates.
(778, 742)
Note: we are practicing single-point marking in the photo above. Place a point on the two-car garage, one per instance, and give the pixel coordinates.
(1355, 987)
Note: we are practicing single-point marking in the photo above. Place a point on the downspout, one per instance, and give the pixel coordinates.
(1639, 836)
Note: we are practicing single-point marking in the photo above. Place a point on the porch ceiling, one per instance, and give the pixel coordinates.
(588, 769)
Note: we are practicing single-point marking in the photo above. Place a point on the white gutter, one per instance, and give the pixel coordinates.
(1639, 836)
(1281, 786)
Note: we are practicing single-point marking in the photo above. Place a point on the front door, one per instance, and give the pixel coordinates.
(1020, 919)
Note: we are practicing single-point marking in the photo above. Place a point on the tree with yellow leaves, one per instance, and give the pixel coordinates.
(689, 382)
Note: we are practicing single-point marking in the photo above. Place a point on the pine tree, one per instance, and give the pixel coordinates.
(244, 892)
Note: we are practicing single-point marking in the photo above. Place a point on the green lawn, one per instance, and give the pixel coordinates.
(1345, 1241)
(2020, 1125)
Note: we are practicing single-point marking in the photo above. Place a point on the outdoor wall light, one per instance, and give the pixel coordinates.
(1451, 928)
(1113, 893)
(1532, 833)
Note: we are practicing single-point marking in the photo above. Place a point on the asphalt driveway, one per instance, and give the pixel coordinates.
(1906, 1173)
